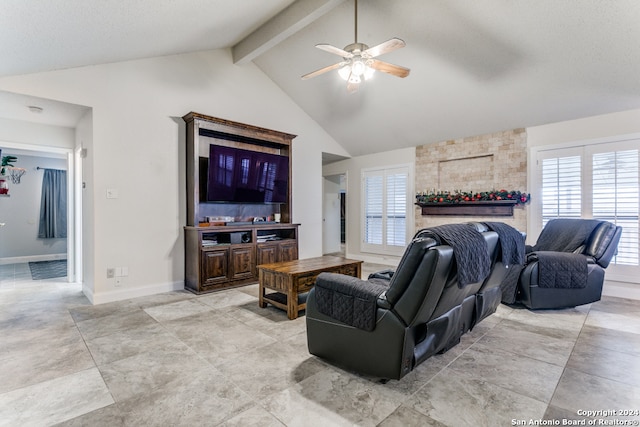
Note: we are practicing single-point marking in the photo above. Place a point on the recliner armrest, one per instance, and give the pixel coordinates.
(348, 299)
(533, 256)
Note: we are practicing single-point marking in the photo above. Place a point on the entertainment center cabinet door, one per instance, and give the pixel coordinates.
(215, 266)
(269, 253)
(242, 262)
(288, 250)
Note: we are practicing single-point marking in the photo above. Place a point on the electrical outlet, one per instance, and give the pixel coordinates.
(111, 273)
(112, 193)
(118, 281)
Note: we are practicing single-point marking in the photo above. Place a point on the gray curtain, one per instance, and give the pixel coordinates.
(53, 205)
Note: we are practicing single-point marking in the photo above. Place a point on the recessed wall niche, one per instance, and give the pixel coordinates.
(473, 173)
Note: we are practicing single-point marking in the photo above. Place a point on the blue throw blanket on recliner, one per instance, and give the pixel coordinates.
(512, 256)
(469, 249)
(511, 242)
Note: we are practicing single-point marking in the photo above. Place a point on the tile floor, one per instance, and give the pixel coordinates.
(178, 359)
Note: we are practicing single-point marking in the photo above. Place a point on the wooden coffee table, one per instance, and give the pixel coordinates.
(292, 278)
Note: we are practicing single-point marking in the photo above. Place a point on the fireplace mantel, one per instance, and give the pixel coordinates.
(479, 208)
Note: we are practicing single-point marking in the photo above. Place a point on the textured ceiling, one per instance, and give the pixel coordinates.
(476, 67)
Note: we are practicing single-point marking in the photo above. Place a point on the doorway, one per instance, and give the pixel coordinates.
(334, 215)
(35, 159)
(50, 128)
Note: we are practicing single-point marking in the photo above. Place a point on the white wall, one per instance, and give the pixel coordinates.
(588, 128)
(21, 214)
(138, 150)
(352, 168)
(35, 134)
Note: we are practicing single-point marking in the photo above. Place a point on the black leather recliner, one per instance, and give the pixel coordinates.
(565, 268)
(404, 316)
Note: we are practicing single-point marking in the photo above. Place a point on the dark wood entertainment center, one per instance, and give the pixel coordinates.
(223, 254)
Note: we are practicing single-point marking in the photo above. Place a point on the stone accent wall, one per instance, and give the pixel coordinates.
(479, 163)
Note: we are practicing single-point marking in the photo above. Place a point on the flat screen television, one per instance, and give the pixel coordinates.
(243, 176)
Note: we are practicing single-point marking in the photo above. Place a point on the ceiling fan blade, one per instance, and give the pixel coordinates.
(335, 50)
(385, 67)
(385, 47)
(322, 70)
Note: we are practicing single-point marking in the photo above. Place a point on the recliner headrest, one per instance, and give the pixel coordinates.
(600, 239)
(408, 265)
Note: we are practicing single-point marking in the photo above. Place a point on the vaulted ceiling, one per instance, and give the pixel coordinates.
(476, 67)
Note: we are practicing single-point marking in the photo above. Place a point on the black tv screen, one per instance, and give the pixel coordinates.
(244, 176)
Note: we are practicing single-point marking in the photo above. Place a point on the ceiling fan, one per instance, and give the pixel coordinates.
(359, 60)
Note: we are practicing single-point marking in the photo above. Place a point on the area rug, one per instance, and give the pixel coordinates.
(48, 269)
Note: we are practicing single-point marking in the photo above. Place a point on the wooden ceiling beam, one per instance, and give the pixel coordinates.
(288, 22)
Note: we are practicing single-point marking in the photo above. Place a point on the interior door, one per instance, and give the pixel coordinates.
(331, 223)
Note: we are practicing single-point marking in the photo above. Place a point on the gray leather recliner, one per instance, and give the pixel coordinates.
(565, 268)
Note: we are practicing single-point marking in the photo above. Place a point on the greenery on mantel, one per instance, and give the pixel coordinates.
(459, 196)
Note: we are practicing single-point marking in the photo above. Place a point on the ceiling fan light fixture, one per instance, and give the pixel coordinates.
(356, 67)
(345, 71)
(359, 60)
(368, 72)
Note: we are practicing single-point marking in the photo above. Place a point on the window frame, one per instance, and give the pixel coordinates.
(384, 248)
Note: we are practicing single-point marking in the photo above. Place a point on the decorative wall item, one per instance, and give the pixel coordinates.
(15, 174)
(7, 161)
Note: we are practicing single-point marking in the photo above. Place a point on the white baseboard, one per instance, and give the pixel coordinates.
(391, 261)
(32, 258)
(127, 293)
(88, 292)
(621, 289)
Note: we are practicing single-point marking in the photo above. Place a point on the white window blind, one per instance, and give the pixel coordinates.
(373, 189)
(615, 198)
(561, 188)
(396, 216)
(385, 198)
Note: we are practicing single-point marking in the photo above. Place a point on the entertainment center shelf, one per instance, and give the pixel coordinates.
(220, 185)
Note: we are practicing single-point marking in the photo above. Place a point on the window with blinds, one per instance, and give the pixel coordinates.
(396, 203)
(373, 190)
(385, 197)
(600, 181)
